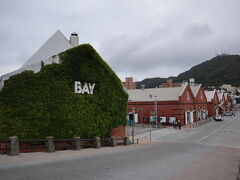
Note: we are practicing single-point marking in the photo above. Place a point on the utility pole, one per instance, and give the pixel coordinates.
(133, 123)
(142, 115)
(155, 107)
(156, 113)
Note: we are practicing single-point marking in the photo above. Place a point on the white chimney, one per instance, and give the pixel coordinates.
(142, 86)
(74, 40)
(192, 81)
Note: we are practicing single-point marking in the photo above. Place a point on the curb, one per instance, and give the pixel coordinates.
(199, 123)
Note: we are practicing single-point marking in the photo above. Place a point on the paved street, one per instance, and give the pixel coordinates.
(211, 151)
(222, 133)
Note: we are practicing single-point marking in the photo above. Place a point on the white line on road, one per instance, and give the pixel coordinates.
(204, 137)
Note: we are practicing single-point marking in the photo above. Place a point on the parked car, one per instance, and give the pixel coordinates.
(217, 118)
(228, 114)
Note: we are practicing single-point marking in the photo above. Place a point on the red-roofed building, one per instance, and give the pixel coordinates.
(228, 102)
(169, 104)
(200, 102)
(212, 103)
(222, 102)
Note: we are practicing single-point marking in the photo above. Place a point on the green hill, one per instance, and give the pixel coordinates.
(222, 69)
(151, 82)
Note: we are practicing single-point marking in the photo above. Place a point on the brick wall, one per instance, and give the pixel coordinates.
(186, 103)
(119, 131)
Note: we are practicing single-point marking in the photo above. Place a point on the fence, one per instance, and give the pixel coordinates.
(4, 146)
(14, 146)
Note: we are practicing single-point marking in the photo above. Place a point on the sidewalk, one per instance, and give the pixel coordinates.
(26, 159)
(143, 133)
(154, 134)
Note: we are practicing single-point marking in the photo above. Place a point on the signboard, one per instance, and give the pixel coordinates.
(136, 118)
(153, 118)
(172, 119)
(85, 88)
(163, 119)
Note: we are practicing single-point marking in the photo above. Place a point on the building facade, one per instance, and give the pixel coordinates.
(200, 102)
(165, 104)
(222, 102)
(212, 103)
(78, 99)
(129, 84)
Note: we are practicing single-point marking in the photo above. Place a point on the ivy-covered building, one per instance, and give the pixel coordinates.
(63, 90)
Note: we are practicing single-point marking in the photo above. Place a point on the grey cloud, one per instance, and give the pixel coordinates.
(198, 31)
(138, 38)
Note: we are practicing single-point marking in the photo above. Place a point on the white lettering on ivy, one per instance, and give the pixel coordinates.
(87, 88)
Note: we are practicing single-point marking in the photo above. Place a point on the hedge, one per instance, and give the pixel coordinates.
(36, 105)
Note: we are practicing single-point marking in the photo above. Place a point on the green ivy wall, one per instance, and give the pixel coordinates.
(36, 105)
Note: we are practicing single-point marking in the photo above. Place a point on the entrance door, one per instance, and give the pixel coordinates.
(191, 116)
(201, 115)
(187, 117)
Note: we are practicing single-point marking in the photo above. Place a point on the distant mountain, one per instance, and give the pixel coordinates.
(152, 82)
(222, 69)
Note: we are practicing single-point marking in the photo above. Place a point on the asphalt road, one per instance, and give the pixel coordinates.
(211, 151)
(222, 133)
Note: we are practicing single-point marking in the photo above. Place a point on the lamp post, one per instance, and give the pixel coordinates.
(155, 107)
(156, 113)
(133, 123)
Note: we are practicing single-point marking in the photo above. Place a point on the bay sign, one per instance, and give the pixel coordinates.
(86, 88)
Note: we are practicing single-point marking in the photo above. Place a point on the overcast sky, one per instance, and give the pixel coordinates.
(139, 38)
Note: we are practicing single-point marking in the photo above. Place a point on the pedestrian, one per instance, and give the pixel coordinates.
(179, 124)
(174, 124)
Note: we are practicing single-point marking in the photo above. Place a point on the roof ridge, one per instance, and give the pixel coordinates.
(183, 88)
(40, 51)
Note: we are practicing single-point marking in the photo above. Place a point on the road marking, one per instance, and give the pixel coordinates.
(204, 137)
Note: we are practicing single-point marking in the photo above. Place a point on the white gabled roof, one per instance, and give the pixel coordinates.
(209, 95)
(195, 89)
(56, 44)
(163, 94)
(225, 95)
(220, 95)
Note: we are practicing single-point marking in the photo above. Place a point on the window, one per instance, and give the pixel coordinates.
(188, 96)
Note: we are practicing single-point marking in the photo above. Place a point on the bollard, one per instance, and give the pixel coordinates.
(14, 146)
(126, 141)
(239, 171)
(114, 142)
(50, 144)
(77, 143)
(97, 142)
(150, 135)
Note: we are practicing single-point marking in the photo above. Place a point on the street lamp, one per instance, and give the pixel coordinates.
(133, 123)
(156, 108)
